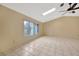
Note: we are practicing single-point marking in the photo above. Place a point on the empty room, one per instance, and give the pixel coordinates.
(39, 29)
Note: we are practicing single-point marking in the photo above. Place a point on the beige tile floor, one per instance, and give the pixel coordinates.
(49, 46)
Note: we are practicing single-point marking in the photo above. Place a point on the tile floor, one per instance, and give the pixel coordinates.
(49, 46)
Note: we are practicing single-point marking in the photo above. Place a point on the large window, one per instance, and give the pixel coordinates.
(30, 28)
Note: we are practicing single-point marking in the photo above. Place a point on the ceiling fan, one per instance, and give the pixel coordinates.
(72, 7)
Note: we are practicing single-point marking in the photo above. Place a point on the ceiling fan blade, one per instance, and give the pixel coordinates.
(74, 5)
(70, 4)
(76, 8)
(62, 4)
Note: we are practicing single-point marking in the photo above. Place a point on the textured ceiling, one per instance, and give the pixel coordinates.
(35, 10)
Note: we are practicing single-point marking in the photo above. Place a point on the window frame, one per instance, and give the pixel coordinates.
(37, 33)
